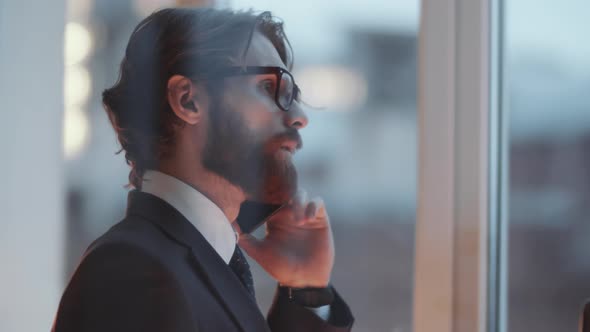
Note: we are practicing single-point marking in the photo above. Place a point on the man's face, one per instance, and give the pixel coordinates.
(249, 137)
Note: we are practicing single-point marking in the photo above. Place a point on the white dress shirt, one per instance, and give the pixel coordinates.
(205, 215)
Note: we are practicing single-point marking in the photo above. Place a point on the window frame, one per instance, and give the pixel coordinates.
(460, 256)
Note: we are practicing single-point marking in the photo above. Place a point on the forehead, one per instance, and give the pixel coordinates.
(262, 53)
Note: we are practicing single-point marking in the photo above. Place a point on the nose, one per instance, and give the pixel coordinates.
(295, 117)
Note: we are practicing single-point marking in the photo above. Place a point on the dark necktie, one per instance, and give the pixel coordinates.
(241, 268)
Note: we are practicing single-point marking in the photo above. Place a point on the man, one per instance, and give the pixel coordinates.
(209, 117)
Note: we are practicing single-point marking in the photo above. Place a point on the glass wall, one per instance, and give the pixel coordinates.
(548, 81)
(356, 64)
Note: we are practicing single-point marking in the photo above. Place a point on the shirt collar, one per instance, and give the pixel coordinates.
(205, 215)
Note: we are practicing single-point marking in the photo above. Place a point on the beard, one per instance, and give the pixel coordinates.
(258, 166)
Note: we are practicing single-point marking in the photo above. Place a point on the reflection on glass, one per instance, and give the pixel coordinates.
(548, 70)
(356, 70)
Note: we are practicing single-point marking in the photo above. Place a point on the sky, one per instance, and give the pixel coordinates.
(548, 68)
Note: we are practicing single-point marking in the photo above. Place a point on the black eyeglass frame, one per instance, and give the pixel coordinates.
(261, 70)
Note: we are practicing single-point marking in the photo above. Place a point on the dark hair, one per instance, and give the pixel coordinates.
(193, 42)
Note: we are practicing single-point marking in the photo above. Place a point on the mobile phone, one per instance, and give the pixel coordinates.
(253, 214)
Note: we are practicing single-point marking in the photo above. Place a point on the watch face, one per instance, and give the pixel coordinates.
(253, 214)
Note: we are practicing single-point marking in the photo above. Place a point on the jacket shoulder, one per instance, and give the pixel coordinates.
(121, 282)
(133, 238)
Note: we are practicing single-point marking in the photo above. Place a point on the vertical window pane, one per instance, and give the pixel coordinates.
(548, 79)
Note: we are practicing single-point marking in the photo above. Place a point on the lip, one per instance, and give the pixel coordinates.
(284, 148)
(290, 146)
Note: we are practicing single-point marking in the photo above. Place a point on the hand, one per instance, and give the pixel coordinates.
(298, 249)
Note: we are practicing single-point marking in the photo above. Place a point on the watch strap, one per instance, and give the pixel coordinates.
(313, 297)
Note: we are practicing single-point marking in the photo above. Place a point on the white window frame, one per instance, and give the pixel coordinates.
(459, 285)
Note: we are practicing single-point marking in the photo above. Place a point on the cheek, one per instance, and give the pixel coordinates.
(259, 115)
(257, 111)
(258, 119)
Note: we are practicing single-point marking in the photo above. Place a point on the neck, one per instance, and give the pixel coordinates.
(225, 195)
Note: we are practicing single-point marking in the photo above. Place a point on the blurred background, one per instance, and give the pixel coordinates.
(547, 80)
(360, 151)
(359, 62)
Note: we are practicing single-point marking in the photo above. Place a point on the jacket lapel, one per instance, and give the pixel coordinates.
(220, 279)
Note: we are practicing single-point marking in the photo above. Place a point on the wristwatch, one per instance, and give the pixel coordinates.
(312, 297)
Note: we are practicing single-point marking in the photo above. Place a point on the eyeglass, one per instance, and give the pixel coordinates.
(286, 90)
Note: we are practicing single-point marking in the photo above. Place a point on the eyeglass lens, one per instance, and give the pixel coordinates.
(286, 90)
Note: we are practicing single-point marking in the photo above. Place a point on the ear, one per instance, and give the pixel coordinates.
(182, 97)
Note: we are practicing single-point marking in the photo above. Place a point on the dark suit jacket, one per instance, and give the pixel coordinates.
(153, 271)
(585, 318)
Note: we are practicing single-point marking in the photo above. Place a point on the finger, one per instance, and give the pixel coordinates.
(311, 209)
(321, 208)
(316, 211)
(299, 204)
(300, 198)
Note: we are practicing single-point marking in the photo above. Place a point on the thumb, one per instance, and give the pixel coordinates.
(251, 245)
